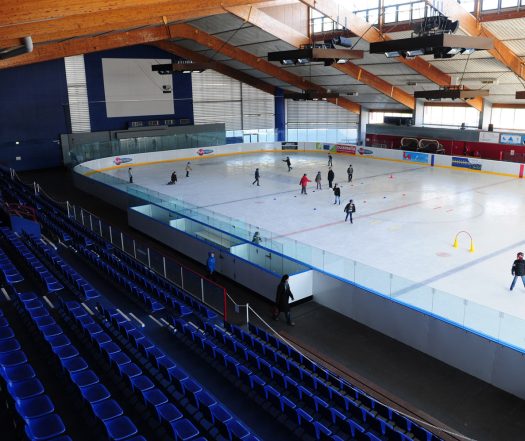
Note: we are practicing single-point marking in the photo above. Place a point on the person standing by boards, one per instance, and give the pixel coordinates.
(130, 175)
(281, 300)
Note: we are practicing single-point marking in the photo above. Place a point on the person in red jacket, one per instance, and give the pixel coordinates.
(304, 182)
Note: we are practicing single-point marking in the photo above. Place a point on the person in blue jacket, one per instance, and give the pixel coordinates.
(210, 263)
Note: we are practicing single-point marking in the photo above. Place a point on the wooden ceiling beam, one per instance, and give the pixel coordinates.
(189, 32)
(269, 24)
(86, 45)
(60, 27)
(27, 11)
(224, 69)
(289, 35)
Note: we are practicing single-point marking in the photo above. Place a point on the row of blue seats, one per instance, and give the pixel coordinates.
(163, 290)
(48, 280)
(24, 392)
(138, 382)
(344, 393)
(10, 273)
(123, 282)
(295, 411)
(228, 424)
(357, 419)
(71, 276)
(83, 381)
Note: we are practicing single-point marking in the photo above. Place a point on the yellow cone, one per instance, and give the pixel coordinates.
(471, 246)
(455, 242)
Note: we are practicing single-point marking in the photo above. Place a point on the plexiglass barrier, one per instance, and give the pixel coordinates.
(497, 325)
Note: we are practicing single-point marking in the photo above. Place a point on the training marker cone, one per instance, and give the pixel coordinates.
(455, 242)
(471, 246)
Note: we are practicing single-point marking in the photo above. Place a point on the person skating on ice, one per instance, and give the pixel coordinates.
(188, 169)
(349, 210)
(304, 182)
(329, 159)
(331, 177)
(337, 194)
(518, 270)
(257, 176)
(350, 172)
(318, 181)
(130, 175)
(288, 163)
(173, 178)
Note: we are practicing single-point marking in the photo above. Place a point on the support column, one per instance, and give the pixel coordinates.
(280, 115)
(419, 112)
(484, 115)
(363, 121)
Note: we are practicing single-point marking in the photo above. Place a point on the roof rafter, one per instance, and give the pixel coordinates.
(260, 64)
(282, 31)
(48, 20)
(343, 14)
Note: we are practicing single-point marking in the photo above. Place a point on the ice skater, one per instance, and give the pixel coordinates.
(288, 163)
(350, 172)
(173, 178)
(130, 175)
(329, 159)
(337, 194)
(188, 169)
(349, 210)
(257, 176)
(331, 177)
(518, 270)
(304, 182)
(318, 181)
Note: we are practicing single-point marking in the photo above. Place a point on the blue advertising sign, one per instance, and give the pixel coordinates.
(510, 138)
(415, 157)
(458, 161)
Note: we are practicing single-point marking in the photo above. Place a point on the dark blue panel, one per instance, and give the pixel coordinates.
(280, 115)
(182, 92)
(32, 112)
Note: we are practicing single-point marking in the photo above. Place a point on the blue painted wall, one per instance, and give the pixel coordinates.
(32, 112)
(182, 92)
(280, 115)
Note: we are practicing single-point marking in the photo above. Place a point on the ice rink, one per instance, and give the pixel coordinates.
(407, 216)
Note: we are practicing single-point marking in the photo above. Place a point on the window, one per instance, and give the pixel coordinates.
(468, 5)
(489, 4)
(509, 3)
(418, 10)
(403, 13)
(390, 14)
(378, 117)
(450, 116)
(508, 119)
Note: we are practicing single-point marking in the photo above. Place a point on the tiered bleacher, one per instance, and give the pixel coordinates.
(124, 377)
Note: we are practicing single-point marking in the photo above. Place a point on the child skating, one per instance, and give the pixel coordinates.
(318, 181)
(288, 163)
(304, 182)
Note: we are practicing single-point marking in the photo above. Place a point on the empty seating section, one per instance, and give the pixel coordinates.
(28, 405)
(78, 376)
(312, 402)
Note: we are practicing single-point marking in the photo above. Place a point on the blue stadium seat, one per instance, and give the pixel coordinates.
(18, 373)
(34, 407)
(44, 428)
(25, 389)
(106, 410)
(120, 428)
(183, 430)
(167, 413)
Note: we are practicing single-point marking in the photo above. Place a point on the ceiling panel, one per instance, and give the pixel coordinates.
(452, 65)
(335, 80)
(261, 49)
(516, 46)
(506, 29)
(218, 23)
(310, 70)
(389, 69)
